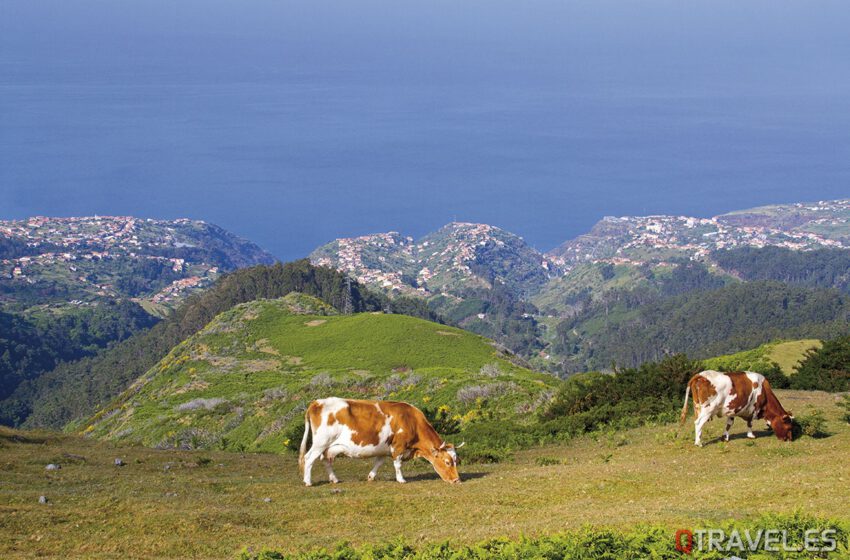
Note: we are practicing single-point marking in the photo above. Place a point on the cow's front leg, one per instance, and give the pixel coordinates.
(329, 466)
(729, 422)
(374, 472)
(397, 464)
(750, 433)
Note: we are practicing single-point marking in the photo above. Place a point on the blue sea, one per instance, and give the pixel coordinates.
(295, 122)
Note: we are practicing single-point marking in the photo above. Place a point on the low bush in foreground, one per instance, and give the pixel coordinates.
(782, 537)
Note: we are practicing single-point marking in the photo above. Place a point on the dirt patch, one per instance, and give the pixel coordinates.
(196, 385)
(316, 322)
(250, 314)
(265, 347)
(259, 365)
(294, 360)
(222, 363)
(447, 333)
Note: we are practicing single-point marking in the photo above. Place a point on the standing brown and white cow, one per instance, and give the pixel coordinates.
(742, 393)
(379, 429)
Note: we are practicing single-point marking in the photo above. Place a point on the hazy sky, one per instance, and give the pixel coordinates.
(292, 123)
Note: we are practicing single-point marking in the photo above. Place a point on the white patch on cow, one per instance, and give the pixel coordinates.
(452, 453)
(397, 464)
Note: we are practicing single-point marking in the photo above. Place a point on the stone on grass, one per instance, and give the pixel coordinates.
(52, 467)
(119, 463)
(42, 499)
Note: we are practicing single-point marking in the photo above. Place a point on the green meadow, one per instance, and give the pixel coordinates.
(214, 504)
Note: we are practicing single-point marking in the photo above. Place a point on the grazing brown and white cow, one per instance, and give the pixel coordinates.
(379, 429)
(742, 393)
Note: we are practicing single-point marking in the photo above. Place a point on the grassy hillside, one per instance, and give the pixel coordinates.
(787, 354)
(75, 390)
(210, 504)
(244, 381)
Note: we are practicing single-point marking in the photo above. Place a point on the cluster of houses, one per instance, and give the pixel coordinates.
(74, 247)
(383, 259)
(642, 239)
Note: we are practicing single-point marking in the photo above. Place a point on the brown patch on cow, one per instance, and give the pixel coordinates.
(316, 322)
(314, 413)
(702, 390)
(742, 388)
(364, 419)
(331, 419)
(447, 333)
(772, 410)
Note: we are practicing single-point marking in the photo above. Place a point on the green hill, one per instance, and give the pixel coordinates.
(75, 390)
(787, 354)
(244, 381)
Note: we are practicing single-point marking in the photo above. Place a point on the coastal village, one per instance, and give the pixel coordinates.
(398, 263)
(648, 239)
(78, 251)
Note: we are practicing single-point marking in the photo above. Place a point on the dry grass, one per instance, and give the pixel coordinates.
(191, 504)
(789, 354)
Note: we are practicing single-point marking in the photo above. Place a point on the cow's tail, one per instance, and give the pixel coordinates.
(685, 406)
(303, 449)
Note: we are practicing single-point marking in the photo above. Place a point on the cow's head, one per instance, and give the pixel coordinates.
(783, 427)
(445, 461)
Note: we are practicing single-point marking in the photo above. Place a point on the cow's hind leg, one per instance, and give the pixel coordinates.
(729, 422)
(329, 466)
(374, 472)
(704, 416)
(750, 433)
(309, 459)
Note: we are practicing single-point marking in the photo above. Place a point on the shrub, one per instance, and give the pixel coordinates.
(845, 404)
(293, 434)
(645, 391)
(470, 394)
(775, 377)
(491, 370)
(275, 393)
(812, 424)
(196, 404)
(442, 420)
(321, 380)
(589, 543)
(826, 368)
